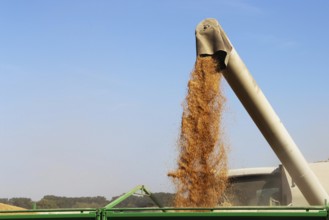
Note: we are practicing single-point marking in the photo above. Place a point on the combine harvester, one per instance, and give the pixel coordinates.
(212, 41)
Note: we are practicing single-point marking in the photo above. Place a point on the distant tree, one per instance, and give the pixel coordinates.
(86, 205)
(21, 202)
(55, 202)
(51, 201)
(47, 204)
(4, 200)
(165, 199)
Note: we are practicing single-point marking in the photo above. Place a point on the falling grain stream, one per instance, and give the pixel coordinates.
(201, 175)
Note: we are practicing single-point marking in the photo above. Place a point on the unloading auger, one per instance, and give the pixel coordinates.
(211, 40)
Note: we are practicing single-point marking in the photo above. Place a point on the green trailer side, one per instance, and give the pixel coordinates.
(53, 214)
(227, 213)
(109, 212)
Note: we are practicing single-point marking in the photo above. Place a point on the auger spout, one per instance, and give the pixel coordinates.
(212, 40)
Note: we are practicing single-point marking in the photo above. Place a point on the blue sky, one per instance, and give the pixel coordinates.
(91, 91)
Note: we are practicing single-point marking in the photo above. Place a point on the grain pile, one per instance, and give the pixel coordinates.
(4, 207)
(201, 175)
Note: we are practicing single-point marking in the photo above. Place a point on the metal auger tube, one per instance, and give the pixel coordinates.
(211, 39)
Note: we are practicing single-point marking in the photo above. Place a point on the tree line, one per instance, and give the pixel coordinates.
(58, 202)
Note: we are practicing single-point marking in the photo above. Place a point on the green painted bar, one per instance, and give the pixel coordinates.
(54, 214)
(223, 213)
